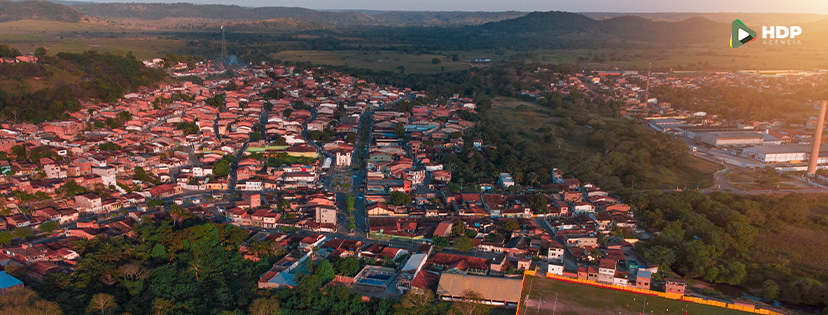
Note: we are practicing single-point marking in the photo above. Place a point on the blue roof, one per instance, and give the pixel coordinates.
(7, 281)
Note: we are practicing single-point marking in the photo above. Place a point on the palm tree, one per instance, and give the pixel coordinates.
(178, 214)
(109, 252)
(195, 267)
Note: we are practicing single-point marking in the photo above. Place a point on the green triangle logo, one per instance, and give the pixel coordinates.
(740, 34)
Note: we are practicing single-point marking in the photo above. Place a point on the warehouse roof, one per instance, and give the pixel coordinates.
(735, 134)
(790, 148)
(490, 288)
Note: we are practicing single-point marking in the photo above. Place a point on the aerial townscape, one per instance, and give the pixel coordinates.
(220, 159)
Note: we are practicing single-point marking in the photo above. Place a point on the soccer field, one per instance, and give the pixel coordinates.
(573, 298)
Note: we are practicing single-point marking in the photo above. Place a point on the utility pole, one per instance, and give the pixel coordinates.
(646, 90)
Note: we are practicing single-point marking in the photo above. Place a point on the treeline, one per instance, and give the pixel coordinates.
(502, 79)
(8, 52)
(96, 76)
(739, 102)
(181, 265)
(37, 10)
(712, 237)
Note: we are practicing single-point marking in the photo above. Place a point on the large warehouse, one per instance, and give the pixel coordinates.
(785, 153)
(493, 290)
(732, 138)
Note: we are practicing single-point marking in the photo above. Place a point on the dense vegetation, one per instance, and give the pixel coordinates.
(741, 102)
(711, 237)
(70, 78)
(181, 266)
(37, 10)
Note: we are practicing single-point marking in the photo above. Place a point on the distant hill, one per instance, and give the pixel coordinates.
(37, 10)
(540, 30)
(158, 11)
(433, 18)
(723, 17)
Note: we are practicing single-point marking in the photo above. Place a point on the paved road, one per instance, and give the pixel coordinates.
(569, 261)
(360, 204)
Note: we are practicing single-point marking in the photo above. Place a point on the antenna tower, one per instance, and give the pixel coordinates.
(223, 45)
(647, 90)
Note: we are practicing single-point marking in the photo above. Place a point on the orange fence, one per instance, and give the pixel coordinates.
(672, 296)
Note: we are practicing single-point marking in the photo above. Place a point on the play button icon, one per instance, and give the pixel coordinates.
(740, 34)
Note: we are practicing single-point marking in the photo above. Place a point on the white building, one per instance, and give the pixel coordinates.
(506, 180)
(785, 153)
(343, 158)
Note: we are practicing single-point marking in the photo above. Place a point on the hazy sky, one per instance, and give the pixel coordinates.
(764, 6)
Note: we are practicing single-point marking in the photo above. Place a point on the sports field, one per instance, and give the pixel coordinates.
(547, 296)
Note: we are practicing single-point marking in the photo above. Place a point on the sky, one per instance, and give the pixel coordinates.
(752, 6)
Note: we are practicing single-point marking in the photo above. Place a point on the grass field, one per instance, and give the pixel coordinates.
(374, 60)
(798, 248)
(540, 294)
(698, 172)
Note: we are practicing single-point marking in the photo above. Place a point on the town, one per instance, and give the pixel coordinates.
(326, 166)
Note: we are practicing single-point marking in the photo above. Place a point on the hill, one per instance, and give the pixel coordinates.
(158, 11)
(722, 17)
(432, 18)
(553, 30)
(37, 10)
(45, 90)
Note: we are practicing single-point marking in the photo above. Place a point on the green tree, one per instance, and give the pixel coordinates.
(538, 203)
(770, 290)
(265, 306)
(435, 61)
(40, 52)
(19, 152)
(399, 198)
(158, 251)
(399, 130)
(49, 227)
(415, 302)
(440, 242)
(6, 238)
(347, 266)
(23, 232)
(463, 244)
(325, 271)
(453, 187)
(109, 146)
(23, 300)
(458, 228)
(221, 169)
(511, 226)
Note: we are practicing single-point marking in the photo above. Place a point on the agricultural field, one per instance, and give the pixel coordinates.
(81, 36)
(748, 180)
(546, 296)
(377, 60)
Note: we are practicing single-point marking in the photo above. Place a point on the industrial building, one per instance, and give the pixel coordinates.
(793, 153)
(504, 292)
(732, 138)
